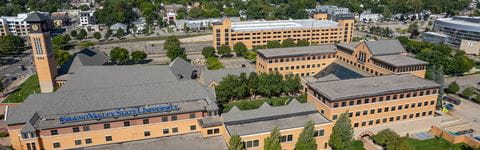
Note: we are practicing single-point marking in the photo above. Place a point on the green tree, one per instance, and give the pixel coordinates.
(258, 9)
(119, 55)
(208, 52)
(273, 141)
(453, 87)
(224, 50)
(59, 42)
(116, 11)
(74, 33)
(306, 140)
(138, 56)
(303, 43)
(196, 12)
(235, 143)
(82, 34)
(225, 88)
(85, 44)
(108, 34)
(291, 84)
(172, 45)
(468, 92)
(240, 49)
(11, 43)
(61, 56)
(120, 33)
(84, 7)
(97, 35)
(231, 12)
(273, 44)
(412, 27)
(214, 64)
(288, 43)
(181, 14)
(252, 83)
(342, 134)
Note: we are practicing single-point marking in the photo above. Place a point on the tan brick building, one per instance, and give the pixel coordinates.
(372, 57)
(257, 33)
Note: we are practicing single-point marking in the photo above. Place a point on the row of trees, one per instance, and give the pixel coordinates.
(452, 61)
(385, 32)
(60, 45)
(121, 56)
(389, 7)
(11, 44)
(305, 141)
(173, 47)
(391, 140)
(234, 87)
(13, 7)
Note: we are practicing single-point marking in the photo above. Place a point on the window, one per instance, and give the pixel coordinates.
(430, 113)
(164, 119)
(424, 113)
(410, 116)
(193, 127)
(106, 126)
(320, 132)
(334, 117)
(386, 109)
(335, 105)
(400, 107)
(404, 117)
(359, 102)
(146, 121)
(351, 103)
(407, 105)
(166, 131)
(88, 141)
(344, 104)
(387, 98)
(355, 125)
(252, 143)
(412, 105)
(54, 132)
(377, 121)
(370, 122)
(374, 100)
(76, 129)
(425, 103)
(78, 142)
(367, 101)
(372, 111)
(174, 118)
(384, 120)
(391, 119)
(174, 130)
(108, 138)
(38, 46)
(432, 102)
(350, 114)
(56, 145)
(417, 115)
(126, 123)
(379, 110)
(364, 124)
(146, 133)
(216, 130)
(398, 117)
(86, 128)
(286, 138)
(357, 113)
(393, 108)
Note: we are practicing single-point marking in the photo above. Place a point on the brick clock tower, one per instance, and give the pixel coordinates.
(43, 54)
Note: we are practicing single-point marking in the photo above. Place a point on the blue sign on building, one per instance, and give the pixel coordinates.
(119, 113)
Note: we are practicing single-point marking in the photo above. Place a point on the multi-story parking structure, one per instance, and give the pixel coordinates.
(373, 57)
(253, 126)
(377, 100)
(258, 33)
(458, 28)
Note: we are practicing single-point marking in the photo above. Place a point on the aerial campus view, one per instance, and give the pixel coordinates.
(240, 74)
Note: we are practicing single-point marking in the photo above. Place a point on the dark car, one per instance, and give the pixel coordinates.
(452, 99)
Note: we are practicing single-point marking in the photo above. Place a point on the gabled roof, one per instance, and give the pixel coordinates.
(385, 47)
(349, 46)
(36, 17)
(182, 69)
(209, 76)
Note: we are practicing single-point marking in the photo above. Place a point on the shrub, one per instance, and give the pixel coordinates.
(3, 134)
(468, 92)
(453, 88)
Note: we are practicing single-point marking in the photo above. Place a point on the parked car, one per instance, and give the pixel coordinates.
(452, 99)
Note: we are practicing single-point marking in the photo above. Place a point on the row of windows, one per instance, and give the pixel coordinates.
(296, 67)
(391, 119)
(125, 124)
(110, 138)
(292, 59)
(279, 32)
(283, 139)
(380, 98)
(389, 108)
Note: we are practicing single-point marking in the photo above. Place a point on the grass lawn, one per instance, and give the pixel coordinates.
(246, 104)
(436, 144)
(358, 145)
(28, 87)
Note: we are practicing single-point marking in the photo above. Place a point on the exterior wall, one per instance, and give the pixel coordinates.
(320, 16)
(455, 139)
(117, 130)
(330, 112)
(307, 65)
(222, 35)
(44, 63)
(321, 141)
(209, 131)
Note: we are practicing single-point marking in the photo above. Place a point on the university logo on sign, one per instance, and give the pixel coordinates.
(123, 112)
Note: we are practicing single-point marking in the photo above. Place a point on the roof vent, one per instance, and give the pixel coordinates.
(375, 85)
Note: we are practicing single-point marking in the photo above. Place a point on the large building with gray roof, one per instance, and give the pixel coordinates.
(458, 28)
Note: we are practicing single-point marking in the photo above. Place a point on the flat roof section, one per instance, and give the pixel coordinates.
(297, 51)
(246, 26)
(177, 142)
(371, 86)
(399, 60)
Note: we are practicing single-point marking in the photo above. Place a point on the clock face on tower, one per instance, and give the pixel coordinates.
(35, 27)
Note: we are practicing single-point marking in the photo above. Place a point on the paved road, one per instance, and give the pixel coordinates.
(468, 111)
